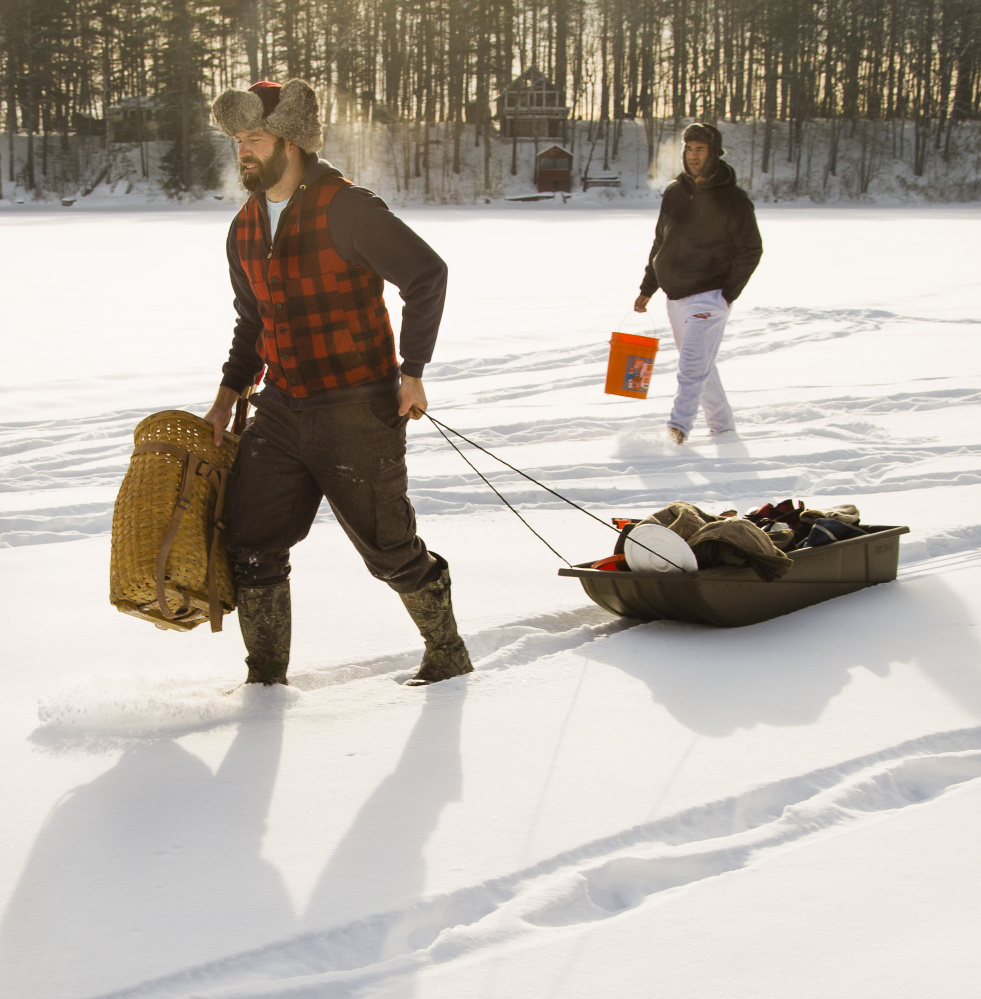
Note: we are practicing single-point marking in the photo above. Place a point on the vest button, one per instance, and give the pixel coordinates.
(285, 356)
(279, 305)
(294, 381)
(274, 279)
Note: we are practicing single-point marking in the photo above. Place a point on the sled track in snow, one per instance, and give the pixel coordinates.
(597, 881)
(968, 559)
(103, 712)
(758, 331)
(59, 478)
(516, 644)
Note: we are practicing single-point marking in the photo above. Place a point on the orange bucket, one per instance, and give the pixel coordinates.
(631, 364)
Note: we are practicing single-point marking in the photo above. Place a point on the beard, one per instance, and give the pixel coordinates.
(269, 173)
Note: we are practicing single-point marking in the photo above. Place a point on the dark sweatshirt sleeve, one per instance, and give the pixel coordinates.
(244, 362)
(749, 248)
(650, 283)
(367, 234)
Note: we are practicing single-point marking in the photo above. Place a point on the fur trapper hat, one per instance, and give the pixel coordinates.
(290, 111)
(700, 131)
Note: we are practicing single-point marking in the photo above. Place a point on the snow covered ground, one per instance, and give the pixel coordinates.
(604, 808)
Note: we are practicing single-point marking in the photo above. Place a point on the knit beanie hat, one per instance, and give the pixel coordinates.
(290, 111)
(701, 132)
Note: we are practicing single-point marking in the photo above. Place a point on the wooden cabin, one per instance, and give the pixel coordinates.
(532, 107)
(135, 119)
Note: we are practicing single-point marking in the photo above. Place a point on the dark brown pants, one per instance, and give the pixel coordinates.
(354, 456)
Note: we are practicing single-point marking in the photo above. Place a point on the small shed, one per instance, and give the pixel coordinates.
(553, 168)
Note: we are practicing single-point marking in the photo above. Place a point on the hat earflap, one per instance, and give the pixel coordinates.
(297, 116)
(238, 111)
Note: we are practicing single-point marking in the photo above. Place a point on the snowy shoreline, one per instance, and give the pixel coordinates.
(872, 167)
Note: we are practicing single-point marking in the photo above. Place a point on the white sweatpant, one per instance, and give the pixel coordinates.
(698, 323)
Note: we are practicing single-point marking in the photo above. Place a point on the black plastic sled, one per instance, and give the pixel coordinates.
(733, 596)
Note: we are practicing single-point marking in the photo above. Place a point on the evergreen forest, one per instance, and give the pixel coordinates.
(81, 75)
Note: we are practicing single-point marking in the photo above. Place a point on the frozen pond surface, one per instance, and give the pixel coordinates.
(603, 808)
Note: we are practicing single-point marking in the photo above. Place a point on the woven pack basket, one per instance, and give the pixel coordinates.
(169, 561)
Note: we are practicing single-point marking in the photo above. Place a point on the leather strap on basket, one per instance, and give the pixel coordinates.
(242, 411)
(193, 465)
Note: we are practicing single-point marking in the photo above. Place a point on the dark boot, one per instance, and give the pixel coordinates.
(432, 611)
(264, 616)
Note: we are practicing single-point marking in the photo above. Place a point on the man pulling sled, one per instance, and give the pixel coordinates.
(308, 256)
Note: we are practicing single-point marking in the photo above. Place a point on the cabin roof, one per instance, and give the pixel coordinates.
(552, 150)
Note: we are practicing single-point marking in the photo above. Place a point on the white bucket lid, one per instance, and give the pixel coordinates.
(662, 547)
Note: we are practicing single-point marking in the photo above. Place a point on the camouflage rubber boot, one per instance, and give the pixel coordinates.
(264, 616)
(432, 611)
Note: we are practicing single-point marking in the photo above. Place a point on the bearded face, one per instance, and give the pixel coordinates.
(258, 174)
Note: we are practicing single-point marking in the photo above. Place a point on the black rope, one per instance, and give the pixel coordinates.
(439, 427)
(442, 428)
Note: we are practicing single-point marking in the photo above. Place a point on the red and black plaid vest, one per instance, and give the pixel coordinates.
(325, 325)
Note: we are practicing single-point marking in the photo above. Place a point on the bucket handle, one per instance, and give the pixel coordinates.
(632, 313)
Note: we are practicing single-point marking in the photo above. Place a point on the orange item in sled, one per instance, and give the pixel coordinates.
(631, 364)
(612, 563)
